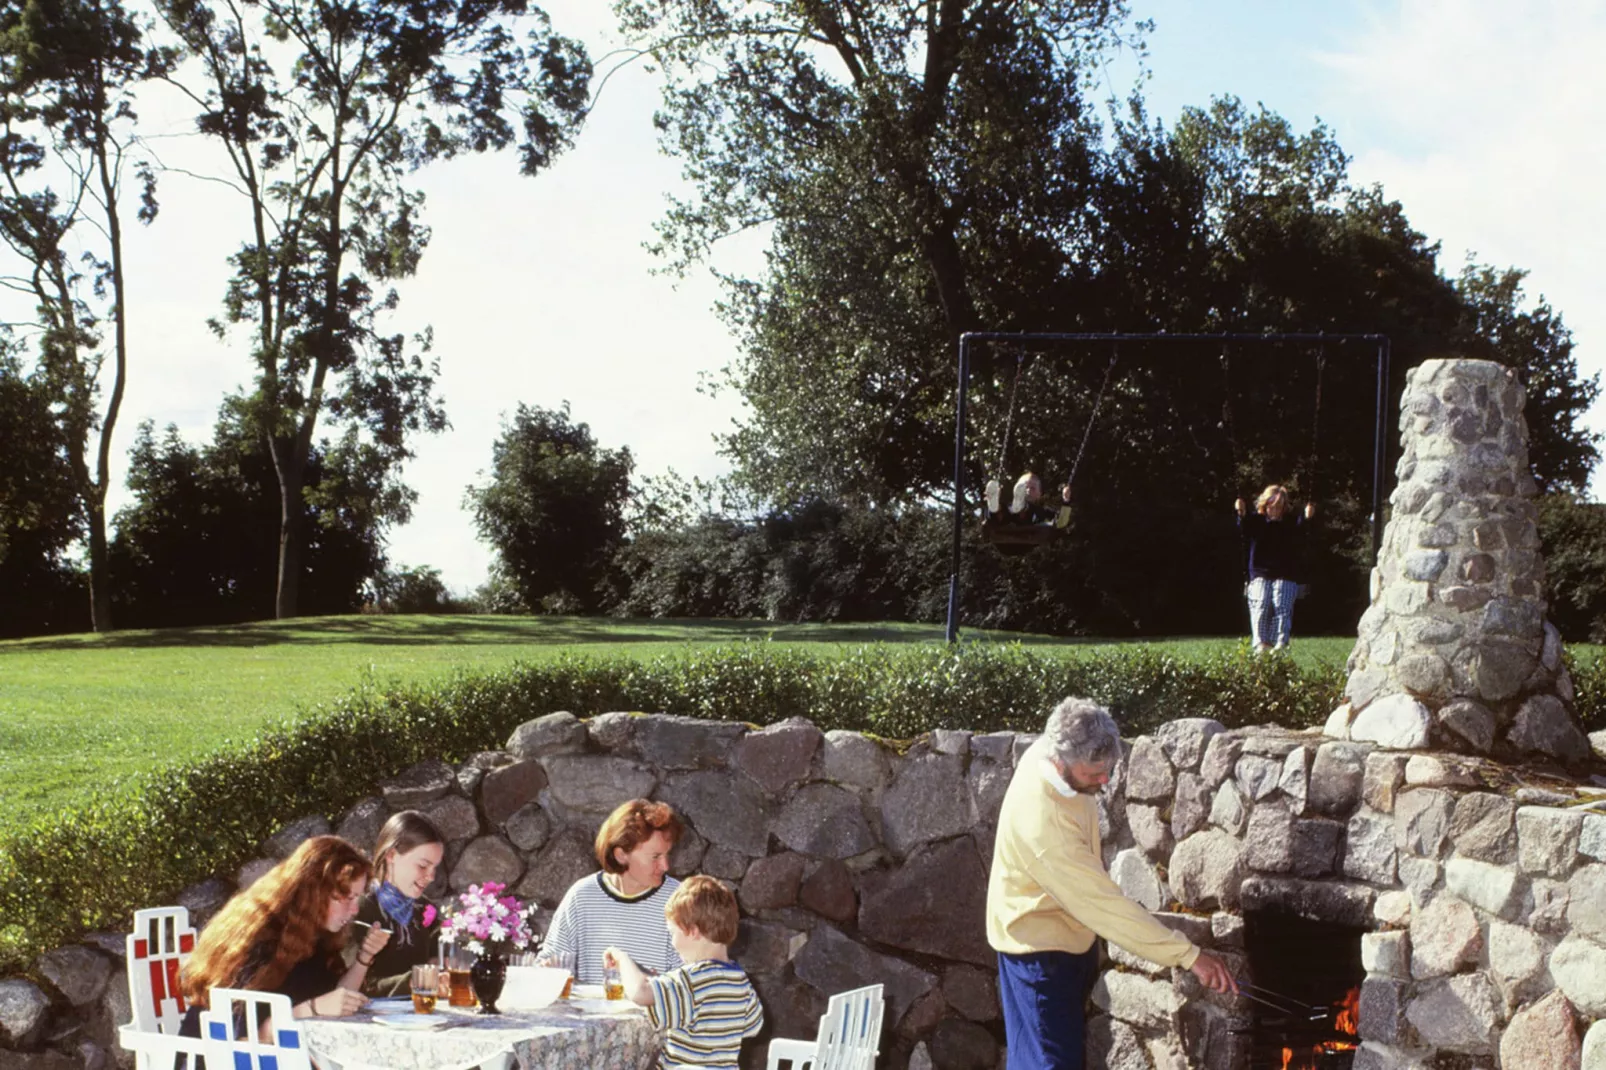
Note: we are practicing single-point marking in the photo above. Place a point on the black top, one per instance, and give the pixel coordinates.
(1273, 549)
(414, 944)
(307, 979)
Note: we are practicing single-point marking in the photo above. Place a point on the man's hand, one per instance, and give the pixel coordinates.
(1238, 506)
(1310, 510)
(1213, 973)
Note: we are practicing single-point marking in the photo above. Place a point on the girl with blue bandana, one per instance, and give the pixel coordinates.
(407, 856)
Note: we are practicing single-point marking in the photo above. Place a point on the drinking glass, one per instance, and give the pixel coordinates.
(565, 960)
(612, 987)
(458, 961)
(426, 988)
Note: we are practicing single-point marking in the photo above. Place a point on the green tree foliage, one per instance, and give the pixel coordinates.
(196, 545)
(68, 70)
(928, 168)
(1572, 536)
(324, 108)
(412, 589)
(553, 509)
(40, 590)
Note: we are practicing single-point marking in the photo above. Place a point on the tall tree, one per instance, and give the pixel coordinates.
(924, 167)
(553, 508)
(323, 107)
(68, 69)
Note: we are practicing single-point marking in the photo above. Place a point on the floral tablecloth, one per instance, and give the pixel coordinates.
(594, 1034)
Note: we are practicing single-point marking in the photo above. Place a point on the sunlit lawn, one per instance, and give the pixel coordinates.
(77, 712)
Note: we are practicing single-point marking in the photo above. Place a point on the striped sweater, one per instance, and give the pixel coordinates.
(592, 916)
(705, 1008)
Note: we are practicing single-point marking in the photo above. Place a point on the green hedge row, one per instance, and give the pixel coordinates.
(93, 866)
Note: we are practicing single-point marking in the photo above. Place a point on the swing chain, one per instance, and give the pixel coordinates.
(1009, 417)
(1091, 420)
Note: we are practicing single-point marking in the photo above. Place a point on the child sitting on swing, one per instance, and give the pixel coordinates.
(1026, 505)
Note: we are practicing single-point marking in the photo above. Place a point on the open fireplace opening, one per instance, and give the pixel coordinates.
(1305, 981)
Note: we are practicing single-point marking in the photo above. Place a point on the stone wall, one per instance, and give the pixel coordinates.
(1454, 651)
(856, 862)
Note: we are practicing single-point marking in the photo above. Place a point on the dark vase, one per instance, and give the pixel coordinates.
(487, 976)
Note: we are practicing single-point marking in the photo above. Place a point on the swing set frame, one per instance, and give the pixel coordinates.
(1381, 356)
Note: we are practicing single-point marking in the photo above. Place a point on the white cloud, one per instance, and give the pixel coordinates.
(1484, 119)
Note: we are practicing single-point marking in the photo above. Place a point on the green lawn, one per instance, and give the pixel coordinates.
(76, 712)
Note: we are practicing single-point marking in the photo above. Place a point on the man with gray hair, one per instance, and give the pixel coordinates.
(1049, 898)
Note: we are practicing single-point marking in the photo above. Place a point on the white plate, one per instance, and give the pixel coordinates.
(390, 1004)
(411, 1021)
(579, 991)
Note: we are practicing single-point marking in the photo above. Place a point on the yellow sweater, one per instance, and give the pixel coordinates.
(1048, 890)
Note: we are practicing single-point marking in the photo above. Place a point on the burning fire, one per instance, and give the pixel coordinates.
(1345, 1018)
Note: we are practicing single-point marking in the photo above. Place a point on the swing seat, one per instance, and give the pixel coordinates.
(1021, 534)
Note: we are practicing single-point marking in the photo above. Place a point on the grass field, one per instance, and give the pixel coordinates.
(77, 712)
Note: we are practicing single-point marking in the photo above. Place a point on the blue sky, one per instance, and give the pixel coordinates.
(1481, 116)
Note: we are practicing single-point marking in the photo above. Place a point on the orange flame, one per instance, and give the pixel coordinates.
(1349, 1013)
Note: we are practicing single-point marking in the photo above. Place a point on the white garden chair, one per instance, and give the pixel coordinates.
(157, 950)
(266, 1015)
(850, 1036)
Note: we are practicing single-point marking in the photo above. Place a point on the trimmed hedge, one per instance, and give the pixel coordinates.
(91, 867)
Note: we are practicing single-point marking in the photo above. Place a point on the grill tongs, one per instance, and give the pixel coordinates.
(1283, 1004)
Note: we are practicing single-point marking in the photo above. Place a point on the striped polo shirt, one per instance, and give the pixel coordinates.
(705, 1008)
(593, 916)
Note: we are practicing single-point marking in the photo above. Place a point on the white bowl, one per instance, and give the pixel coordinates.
(530, 988)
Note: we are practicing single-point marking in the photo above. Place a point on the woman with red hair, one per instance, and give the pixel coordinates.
(623, 906)
(285, 934)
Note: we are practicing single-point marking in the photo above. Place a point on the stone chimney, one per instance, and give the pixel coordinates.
(1454, 651)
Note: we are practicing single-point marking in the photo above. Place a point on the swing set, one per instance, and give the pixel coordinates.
(1021, 538)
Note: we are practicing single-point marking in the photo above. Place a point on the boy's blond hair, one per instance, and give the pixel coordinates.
(704, 904)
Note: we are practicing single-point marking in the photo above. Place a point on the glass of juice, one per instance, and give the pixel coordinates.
(426, 987)
(458, 961)
(612, 987)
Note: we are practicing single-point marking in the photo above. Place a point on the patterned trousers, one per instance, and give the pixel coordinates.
(1271, 610)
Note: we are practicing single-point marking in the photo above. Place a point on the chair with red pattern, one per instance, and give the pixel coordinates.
(157, 949)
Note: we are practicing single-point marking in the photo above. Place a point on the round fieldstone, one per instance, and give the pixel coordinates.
(282, 844)
(506, 789)
(855, 760)
(1542, 1037)
(567, 857)
(1579, 966)
(772, 882)
(928, 800)
(826, 821)
(22, 1011)
(454, 816)
(78, 973)
(957, 1044)
(779, 755)
(556, 733)
(1544, 726)
(1399, 722)
(528, 827)
(727, 808)
(1443, 936)
(489, 858)
(361, 824)
(1207, 869)
(934, 904)
(419, 784)
(972, 992)
(1483, 826)
(828, 891)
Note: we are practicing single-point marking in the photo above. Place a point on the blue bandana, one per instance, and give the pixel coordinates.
(395, 905)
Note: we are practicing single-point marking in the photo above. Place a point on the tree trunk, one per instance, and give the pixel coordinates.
(100, 595)
(100, 591)
(290, 465)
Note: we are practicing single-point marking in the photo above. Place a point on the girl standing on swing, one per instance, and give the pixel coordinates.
(1274, 544)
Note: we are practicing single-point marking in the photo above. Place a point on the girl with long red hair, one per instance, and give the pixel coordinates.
(285, 934)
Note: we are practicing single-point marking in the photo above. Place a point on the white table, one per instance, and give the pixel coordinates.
(594, 1034)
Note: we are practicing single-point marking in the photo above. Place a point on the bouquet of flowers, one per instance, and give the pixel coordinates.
(487, 922)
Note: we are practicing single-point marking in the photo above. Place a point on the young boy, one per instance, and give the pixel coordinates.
(707, 1006)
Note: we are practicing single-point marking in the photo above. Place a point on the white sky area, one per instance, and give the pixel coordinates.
(1481, 116)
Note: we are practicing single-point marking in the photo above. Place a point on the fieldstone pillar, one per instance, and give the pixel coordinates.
(1454, 651)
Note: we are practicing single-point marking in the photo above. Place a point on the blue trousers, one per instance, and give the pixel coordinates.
(1045, 1007)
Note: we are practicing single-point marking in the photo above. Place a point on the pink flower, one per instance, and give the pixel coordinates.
(429, 914)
